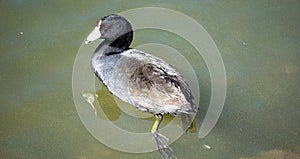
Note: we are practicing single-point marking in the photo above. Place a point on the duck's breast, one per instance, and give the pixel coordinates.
(115, 71)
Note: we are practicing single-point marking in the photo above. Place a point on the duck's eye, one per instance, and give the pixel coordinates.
(105, 27)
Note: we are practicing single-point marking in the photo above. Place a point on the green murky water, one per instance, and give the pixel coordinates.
(259, 42)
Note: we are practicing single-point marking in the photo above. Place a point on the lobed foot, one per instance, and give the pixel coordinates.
(162, 144)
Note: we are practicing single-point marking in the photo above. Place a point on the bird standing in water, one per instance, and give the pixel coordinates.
(139, 78)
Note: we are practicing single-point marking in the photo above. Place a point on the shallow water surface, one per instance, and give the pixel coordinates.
(259, 42)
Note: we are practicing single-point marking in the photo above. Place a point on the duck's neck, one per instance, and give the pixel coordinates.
(109, 47)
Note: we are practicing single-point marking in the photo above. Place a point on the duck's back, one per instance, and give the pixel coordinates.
(145, 81)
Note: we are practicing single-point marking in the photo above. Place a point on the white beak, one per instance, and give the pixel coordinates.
(94, 35)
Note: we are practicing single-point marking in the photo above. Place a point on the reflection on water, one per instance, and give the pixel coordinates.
(258, 41)
(108, 105)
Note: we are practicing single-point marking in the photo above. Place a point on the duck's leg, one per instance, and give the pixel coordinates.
(160, 140)
(188, 124)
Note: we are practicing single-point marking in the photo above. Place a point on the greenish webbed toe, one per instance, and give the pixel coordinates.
(162, 144)
(161, 141)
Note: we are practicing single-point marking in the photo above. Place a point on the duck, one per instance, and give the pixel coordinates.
(143, 80)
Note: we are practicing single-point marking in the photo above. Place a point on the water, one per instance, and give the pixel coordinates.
(258, 40)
